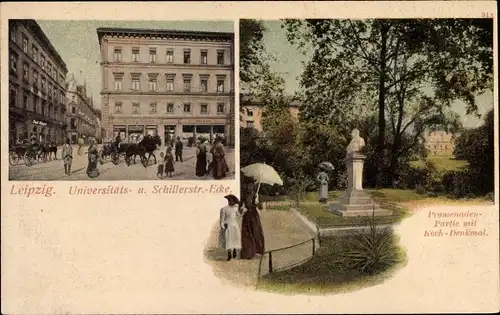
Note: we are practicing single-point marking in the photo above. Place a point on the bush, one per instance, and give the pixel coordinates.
(370, 252)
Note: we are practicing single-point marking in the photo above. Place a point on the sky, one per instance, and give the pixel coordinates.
(290, 65)
(76, 42)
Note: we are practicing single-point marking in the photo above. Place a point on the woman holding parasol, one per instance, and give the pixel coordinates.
(252, 234)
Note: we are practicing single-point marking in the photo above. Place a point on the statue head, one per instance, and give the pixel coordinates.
(355, 133)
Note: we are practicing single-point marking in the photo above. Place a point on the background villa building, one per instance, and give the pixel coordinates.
(251, 111)
(82, 117)
(37, 76)
(167, 83)
(439, 142)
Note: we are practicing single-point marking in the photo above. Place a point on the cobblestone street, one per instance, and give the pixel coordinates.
(54, 170)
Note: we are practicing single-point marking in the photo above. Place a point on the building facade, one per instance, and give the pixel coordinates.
(167, 83)
(37, 76)
(252, 109)
(82, 117)
(439, 142)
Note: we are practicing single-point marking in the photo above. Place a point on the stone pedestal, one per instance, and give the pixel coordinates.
(355, 201)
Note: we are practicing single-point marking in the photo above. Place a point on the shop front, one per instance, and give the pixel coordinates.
(120, 130)
(134, 132)
(207, 129)
(169, 134)
(151, 130)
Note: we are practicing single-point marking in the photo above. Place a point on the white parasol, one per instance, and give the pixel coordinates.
(263, 174)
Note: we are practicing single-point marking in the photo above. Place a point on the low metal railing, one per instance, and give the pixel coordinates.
(299, 254)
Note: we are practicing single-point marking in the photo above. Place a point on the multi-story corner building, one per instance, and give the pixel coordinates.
(252, 109)
(167, 83)
(81, 115)
(439, 142)
(37, 76)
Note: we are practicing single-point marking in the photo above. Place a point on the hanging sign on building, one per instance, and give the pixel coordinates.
(39, 123)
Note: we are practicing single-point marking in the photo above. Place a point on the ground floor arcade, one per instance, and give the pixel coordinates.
(22, 127)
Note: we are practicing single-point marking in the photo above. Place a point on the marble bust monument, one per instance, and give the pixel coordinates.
(357, 143)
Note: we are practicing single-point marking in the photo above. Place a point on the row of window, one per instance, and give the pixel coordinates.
(170, 85)
(48, 89)
(169, 56)
(37, 105)
(38, 57)
(84, 126)
(170, 108)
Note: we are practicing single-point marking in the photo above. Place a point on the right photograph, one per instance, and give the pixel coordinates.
(347, 129)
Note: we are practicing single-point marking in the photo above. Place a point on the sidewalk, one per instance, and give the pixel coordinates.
(281, 229)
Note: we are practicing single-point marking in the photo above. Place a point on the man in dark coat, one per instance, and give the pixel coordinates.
(178, 149)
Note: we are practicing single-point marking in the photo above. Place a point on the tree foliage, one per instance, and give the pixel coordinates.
(409, 71)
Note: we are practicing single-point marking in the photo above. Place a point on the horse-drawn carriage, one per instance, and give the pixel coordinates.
(31, 153)
(129, 151)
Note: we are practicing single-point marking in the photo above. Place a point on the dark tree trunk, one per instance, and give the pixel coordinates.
(381, 109)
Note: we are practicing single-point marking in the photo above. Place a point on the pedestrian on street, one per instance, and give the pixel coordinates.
(178, 149)
(81, 142)
(219, 168)
(67, 154)
(201, 158)
(210, 157)
(161, 165)
(169, 163)
(229, 233)
(93, 153)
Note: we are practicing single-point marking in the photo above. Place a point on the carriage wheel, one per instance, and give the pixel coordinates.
(13, 158)
(28, 159)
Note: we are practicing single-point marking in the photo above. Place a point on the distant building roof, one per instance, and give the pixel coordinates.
(246, 99)
(163, 33)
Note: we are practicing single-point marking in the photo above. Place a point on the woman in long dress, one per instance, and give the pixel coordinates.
(93, 154)
(219, 166)
(252, 234)
(323, 180)
(230, 235)
(201, 159)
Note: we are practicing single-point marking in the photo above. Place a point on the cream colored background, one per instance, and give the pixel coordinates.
(144, 254)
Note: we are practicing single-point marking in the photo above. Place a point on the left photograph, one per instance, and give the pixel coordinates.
(121, 100)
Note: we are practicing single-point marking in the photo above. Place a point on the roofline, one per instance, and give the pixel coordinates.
(32, 25)
(101, 31)
(255, 102)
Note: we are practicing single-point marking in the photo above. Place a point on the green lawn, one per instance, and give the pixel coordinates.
(443, 163)
(387, 198)
(327, 272)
